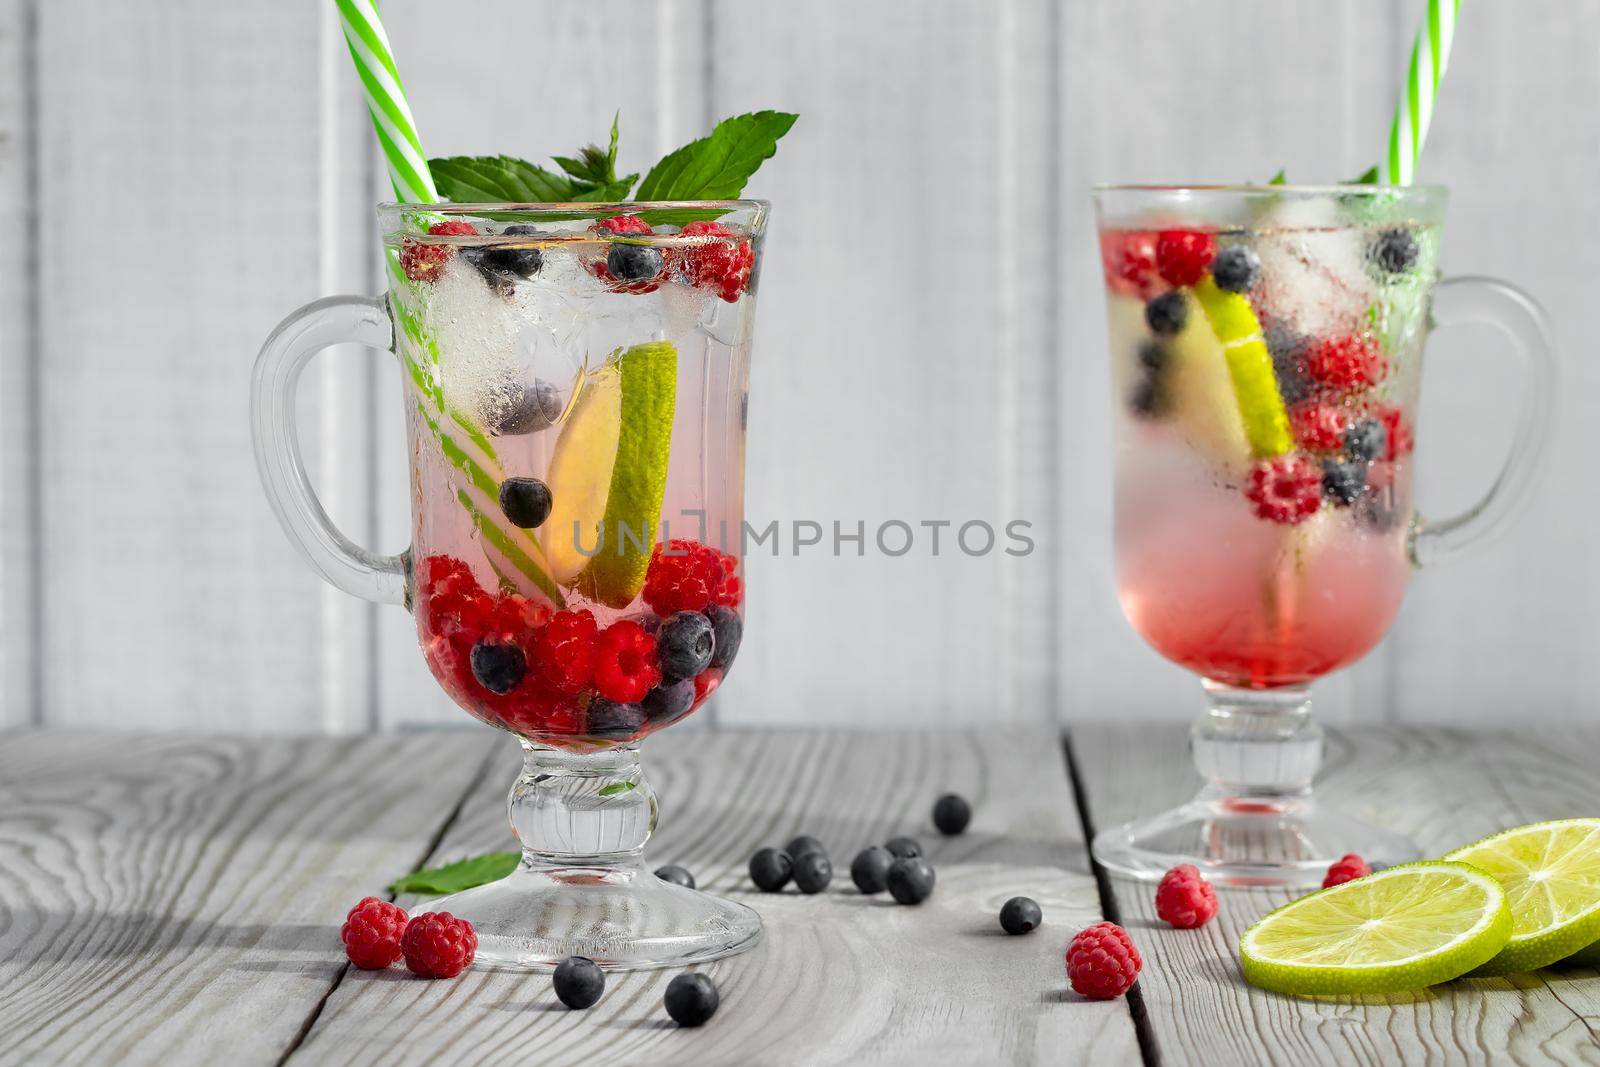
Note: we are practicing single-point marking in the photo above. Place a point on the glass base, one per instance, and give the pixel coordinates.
(1237, 841)
(622, 917)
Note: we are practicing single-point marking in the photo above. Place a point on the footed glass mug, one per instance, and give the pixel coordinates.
(1266, 352)
(575, 382)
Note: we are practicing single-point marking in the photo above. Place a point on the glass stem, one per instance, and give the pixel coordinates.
(581, 809)
(1257, 743)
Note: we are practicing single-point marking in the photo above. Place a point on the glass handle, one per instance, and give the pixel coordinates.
(1514, 313)
(335, 320)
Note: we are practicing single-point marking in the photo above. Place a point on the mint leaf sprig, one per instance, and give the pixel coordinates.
(462, 874)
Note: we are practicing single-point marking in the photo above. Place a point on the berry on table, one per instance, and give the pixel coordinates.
(636, 258)
(870, 869)
(1343, 481)
(525, 501)
(1319, 426)
(371, 933)
(685, 644)
(578, 982)
(1366, 440)
(625, 662)
(423, 262)
(607, 718)
(770, 869)
(1020, 915)
(1182, 256)
(716, 261)
(812, 872)
(1167, 313)
(691, 999)
(1346, 868)
(910, 880)
(439, 945)
(676, 875)
(564, 651)
(1184, 898)
(1395, 251)
(1102, 963)
(1129, 258)
(951, 814)
(498, 666)
(1285, 489)
(1347, 362)
(1236, 268)
(800, 844)
(728, 629)
(670, 701)
(903, 847)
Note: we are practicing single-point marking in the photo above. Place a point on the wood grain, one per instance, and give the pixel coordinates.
(177, 901)
(839, 978)
(1445, 787)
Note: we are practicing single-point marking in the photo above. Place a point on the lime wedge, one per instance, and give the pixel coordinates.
(1551, 873)
(1255, 387)
(608, 475)
(1402, 928)
(1586, 957)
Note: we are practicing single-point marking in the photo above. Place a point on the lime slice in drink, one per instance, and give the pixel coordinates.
(608, 475)
(1255, 387)
(1551, 873)
(1402, 928)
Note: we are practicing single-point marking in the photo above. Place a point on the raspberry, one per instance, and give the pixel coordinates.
(705, 683)
(371, 933)
(625, 667)
(1346, 868)
(1129, 257)
(1401, 439)
(564, 651)
(1347, 363)
(1185, 899)
(424, 262)
(439, 945)
(1102, 962)
(732, 590)
(536, 710)
(1287, 489)
(1319, 427)
(1182, 256)
(683, 576)
(723, 265)
(623, 224)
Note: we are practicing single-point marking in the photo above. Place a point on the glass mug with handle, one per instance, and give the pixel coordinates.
(575, 386)
(1266, 352)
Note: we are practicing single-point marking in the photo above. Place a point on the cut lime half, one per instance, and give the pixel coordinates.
(1551, 874)
(1403, 928)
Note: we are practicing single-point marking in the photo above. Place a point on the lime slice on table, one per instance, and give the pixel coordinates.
(1255, 386)
(1551, 873)
(608, 475)
(1406, 927)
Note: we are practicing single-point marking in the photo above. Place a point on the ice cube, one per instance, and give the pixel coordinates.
(1314, 276)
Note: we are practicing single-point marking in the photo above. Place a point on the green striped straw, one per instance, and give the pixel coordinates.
(1430, 54)
(386, 100)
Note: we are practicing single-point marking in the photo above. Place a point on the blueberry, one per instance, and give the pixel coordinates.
(951, 813)
(525, 501)
(676, 875)
(1150, 399)
(870, 869)
(729, 630)
(770, 869)
(1167, 313)
(812, 872)
(537, 409)
(1020, 915)
(691, 999)
(1395, 251)
(685, 644)
(579, 981)
(1288, 350)
(523, 262)
(1366, 439)
(903, 847)
(498, 667)
(1236, 268)
(669, 702)
(910, 880)
(1153, 357)
(607, 718)
(801, 844)
(1343, 482)
(633, 263)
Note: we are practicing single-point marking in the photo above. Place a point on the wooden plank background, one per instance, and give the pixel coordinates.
(176, 177)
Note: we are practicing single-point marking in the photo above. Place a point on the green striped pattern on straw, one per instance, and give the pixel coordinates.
(386, 100)
(1430, 54)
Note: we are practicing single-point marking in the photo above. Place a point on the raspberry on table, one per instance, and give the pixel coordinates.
(1348, 363)
(1286, 489)
(1346, 868)
(624, 225)
(439, 945)
(1129, 257)
(425, 262)
(1182, 256)
(1102, 963)
(625, 667)
(722, 263)
(371, 933)
(1185, 899)
(564, 651)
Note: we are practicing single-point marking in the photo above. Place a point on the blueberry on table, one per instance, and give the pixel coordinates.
(770, 869)
(951, 814)
(685, 644)
(812, 872)
(729, 631)
(536, 409)
(1167, 313)
(870, 869)
(800, 844)
(633, 263)
(1236, 268)
(1366, 439)
(910, 880)
(525, 501)
(691, 999)
(1020, 915)
(498, 667)
(1395, 251)
(676, 875)
(1343, 482)
(579, 981)
(903, 847)
(607, 718)
(669, 702)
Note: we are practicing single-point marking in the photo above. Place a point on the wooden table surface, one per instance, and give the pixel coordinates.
(176, 900)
